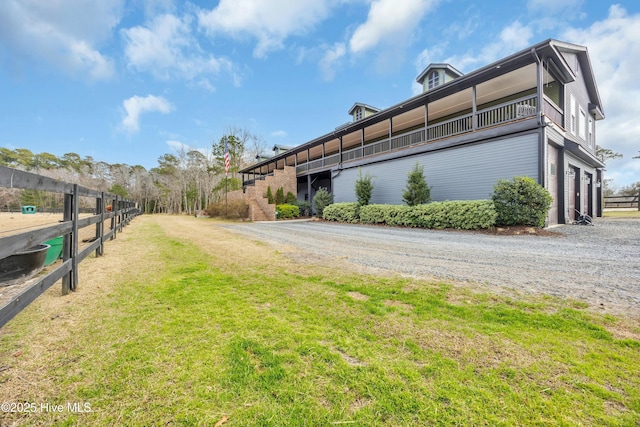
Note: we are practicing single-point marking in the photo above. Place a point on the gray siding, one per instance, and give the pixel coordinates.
(463, 173)
(577, 89)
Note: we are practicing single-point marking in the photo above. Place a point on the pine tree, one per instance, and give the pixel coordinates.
(417, 191)
(279, 196)
(364, 189)
(269, 195)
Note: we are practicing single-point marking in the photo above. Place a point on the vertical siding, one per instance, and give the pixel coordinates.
(463, 173)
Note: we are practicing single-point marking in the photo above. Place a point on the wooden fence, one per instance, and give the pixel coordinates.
(107, 225)
(612, 202)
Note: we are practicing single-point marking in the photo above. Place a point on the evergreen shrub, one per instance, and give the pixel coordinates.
(322, 199)
(290, 198)
(279, 199)
(464, 214)
(521, 201)
(269, 195)
(303, 206)
(285, 211)
(341, 212)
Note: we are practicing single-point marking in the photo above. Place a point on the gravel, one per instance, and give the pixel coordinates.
(597, 264)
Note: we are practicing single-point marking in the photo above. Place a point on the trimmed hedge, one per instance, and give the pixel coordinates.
(341, 212)
(521, 201)
(465, 215)
(285, 211)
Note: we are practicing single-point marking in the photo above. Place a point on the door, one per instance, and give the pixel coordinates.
(552, 183)
(573, 178)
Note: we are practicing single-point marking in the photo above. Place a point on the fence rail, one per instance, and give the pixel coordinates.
(122, 212)
(612, 202)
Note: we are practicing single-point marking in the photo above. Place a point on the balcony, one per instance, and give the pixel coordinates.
(494, 115)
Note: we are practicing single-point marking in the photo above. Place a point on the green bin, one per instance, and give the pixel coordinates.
(55, 251)
(28, 209)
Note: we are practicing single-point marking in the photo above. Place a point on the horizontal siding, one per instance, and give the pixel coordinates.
(464, 173)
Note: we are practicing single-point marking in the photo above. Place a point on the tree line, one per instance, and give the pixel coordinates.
(185, 181)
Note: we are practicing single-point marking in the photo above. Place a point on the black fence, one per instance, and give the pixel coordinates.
(108, 222)
(612, 202)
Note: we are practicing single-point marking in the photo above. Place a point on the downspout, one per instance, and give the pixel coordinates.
(542, 148)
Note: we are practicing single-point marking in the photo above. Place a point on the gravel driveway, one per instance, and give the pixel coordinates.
(599, 264)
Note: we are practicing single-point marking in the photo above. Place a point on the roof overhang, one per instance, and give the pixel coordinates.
(580, 152)
(548, 49)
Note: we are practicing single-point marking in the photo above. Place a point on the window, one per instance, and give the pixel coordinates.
(434, 79)
(582, 125)
(358, 114)
(572, 112)
(590, 135)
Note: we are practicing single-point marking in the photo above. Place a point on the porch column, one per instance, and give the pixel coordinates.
(426, 121)
(390, 131)
(340, 149)
(310, 199)
(474, 115)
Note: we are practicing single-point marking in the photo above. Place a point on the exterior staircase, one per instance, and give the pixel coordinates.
(255, 195)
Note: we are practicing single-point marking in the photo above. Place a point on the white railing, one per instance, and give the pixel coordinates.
(496, 115)
(451, 127)
(507, 112)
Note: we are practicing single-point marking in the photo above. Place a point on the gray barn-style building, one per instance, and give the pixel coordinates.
(532, 113)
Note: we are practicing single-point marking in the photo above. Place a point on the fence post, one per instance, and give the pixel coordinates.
(70, 243)
(100, 225)
(74, 255)
(114, 218)
(67, 245)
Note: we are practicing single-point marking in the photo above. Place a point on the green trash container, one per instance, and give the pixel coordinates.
(55, 251)
(28, 209)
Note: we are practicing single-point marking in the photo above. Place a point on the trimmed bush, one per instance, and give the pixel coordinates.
(465, 215)
(322, 199)
(236, 209)
(291, 198)
(285, 211)
(341, 212)
(384, 214)
(303, 206)
(521, 201)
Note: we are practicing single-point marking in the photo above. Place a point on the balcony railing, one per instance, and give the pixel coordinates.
(496, 115)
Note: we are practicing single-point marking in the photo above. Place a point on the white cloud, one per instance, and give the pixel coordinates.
(137, 105)
(268, 21)
(166, 48)
(63, 33)
(389, 21)
(331, 60)
(512, 38)
(279, 133)
(614, 50)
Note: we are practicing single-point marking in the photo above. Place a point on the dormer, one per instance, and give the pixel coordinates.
(278, 148)
(360, 111)
(436, 75)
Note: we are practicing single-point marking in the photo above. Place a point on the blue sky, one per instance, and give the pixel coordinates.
(126, 81)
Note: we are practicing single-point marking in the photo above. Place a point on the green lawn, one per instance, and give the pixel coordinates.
(621, 214)
(268, 344)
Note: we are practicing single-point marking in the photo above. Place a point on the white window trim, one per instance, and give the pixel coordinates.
(572, 115)
(590, 132)
(582, 124)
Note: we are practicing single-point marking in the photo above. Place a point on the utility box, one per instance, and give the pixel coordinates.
(28, 209)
